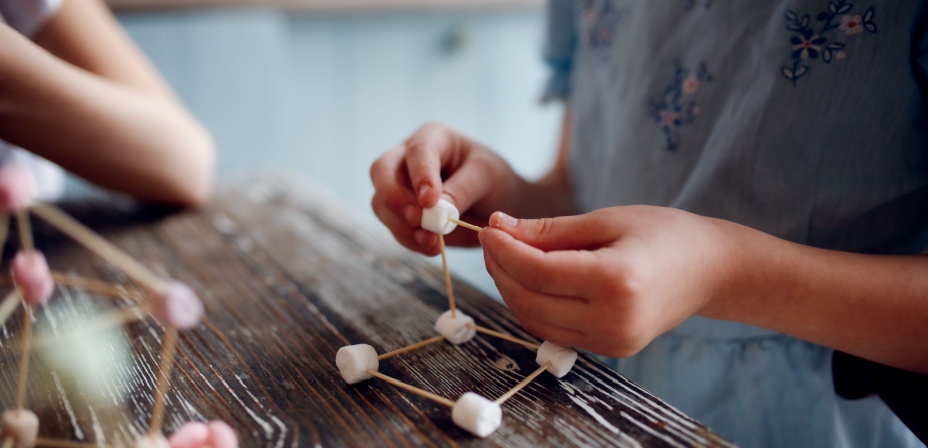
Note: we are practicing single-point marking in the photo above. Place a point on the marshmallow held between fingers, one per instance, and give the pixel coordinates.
(458, 329)
(148, 441)
(562, 358)
(476, 414)
(20, 425)
(17, 187)
(354, 361)
(176, 305)
(33, 277)
(436, 219)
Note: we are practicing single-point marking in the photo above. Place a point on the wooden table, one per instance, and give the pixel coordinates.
(289, 275)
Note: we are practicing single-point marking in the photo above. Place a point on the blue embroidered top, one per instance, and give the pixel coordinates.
(805, 119)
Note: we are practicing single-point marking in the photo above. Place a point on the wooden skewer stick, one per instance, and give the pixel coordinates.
(95, 286)
(413, 389)
(410, 348)
(25, 230)
(503, 336)
(95, 243)
(444, 265)
(522, 384)
(465, 224)
(167, 362)
(58, 443)
(9, 304)
(26, 353)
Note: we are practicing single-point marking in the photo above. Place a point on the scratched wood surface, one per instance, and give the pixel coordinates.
(288, 275)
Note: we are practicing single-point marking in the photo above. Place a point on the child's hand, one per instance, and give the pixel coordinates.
(608, 281)
(409, 178)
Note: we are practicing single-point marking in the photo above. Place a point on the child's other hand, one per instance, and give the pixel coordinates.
(410, 177)
(609, 281)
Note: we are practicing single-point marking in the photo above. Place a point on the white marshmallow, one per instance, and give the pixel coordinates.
(562, 358)
(435, 219)
(22, 426)
(157, 441)
(455, 329)
(354, 361)
(476, 414)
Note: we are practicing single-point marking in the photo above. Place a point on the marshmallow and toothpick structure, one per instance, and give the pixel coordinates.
(172, 303)
(471, 411)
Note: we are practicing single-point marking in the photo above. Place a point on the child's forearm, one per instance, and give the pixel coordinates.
(872, 306)
(110, 134)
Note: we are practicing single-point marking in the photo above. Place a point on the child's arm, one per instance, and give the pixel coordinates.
(91, 102)
(612, 280)
(476, 180)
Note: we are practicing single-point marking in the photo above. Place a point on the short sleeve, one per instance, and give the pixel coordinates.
(28, 16)
(560, 43)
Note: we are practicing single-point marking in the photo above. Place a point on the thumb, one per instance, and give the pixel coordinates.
(561, 233)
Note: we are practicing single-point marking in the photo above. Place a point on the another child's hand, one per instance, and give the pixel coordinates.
(410, 177)
(609, 281)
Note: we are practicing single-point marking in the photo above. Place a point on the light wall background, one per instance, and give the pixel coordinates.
(324, 95)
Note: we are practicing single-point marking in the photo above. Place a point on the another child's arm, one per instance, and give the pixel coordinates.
(88, 100)
(479, 182)
(612, 280)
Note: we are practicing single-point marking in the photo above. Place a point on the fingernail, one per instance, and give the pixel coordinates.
(420, 236)
(506, 220)
(410, 214)
(423, 192)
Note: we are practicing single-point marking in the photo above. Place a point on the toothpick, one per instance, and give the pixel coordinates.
(167, 361)
(9, 304)
(413, 389)
(8, 442)
(95, 243)
(410, 348)
(26, 353)
(25, 230)
(58, 443)
(522, 384)
(465, 224)
(444, 265)
(503, 336)
(96, 286)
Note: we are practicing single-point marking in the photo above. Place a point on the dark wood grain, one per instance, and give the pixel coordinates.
(288, 276)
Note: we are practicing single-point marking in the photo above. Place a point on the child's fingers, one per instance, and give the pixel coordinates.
(565, 337)
(562, 273)
(427, 151)
(563, 312)
(398, 226)
(473, 180)
(587, 231)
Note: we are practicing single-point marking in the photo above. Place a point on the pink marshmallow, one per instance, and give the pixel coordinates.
(176, 305)
(17, 187)
(191, 435)
(33, 277)
(221, 435)
(200, 435)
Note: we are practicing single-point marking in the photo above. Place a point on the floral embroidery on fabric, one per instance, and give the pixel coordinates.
(676, 105)
(688, 5)
(807, 43)
(601, 20)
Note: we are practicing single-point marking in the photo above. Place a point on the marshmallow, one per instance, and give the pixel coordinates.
(199, 435)
(20, 425)
(477, 414)
(17, 187)
(33, 277)
(176, 306)
(562, 358)
(354, 361)
(455, 329)
(435, 219)
(221, 435)
(156, 441)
